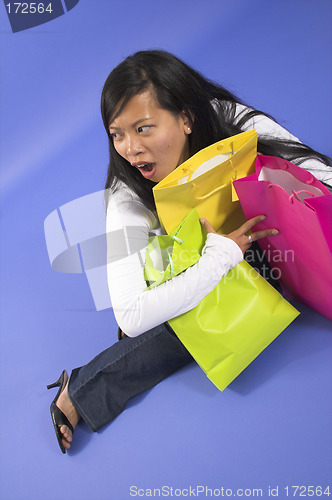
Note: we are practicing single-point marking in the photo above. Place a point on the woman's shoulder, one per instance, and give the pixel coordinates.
(262, 123)
(124, 204)
(121, 193)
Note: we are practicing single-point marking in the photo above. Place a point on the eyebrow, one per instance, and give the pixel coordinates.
(133, 125)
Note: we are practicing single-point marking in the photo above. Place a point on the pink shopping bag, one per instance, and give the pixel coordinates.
(300, 207)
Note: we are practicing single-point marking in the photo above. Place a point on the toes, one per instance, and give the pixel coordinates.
(65, 444)
(67, 434)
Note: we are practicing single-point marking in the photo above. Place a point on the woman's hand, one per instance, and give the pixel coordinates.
(239, 236)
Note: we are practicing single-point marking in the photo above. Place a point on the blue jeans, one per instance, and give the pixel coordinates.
(101, 389)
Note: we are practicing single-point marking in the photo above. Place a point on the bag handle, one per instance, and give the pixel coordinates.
(170, 259)
(178, 240)
(218, 188)
(295, 193)
(211, 192)
(169, 255)
(285, 166)
(186, 169)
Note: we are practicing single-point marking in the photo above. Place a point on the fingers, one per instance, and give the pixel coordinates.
(207, 226)
(250, 223)
(239, 236)
(257, 235)
(263, 234)
(244, 241)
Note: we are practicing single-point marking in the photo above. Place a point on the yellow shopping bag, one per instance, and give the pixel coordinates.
(204, 181)
(235, 322)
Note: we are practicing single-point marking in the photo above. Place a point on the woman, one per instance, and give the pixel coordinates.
(157, 112)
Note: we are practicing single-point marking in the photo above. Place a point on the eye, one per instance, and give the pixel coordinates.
(144, 128)
(115, 135)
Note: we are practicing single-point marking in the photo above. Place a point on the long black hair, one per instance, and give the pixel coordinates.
(179, 88)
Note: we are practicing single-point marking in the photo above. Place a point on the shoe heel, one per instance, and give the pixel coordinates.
(59, 382)
(56, 384)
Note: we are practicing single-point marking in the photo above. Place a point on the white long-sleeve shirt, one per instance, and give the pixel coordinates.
(137, 309)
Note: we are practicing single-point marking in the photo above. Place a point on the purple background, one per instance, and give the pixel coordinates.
(272, 426)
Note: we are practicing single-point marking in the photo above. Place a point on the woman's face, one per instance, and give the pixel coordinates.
(150, 138)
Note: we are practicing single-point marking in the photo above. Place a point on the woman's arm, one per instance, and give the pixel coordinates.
(135, 308)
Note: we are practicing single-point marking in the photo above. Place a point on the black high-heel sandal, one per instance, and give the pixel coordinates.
(58, 417)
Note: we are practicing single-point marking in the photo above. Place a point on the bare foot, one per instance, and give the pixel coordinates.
(66, 406)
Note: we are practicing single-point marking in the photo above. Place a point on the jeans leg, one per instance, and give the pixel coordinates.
(101, 389)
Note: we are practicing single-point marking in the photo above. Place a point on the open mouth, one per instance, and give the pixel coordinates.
(148, 170)
(147, 167)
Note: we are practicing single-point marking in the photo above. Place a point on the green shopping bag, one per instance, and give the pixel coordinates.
(168, 255)
(235, 322)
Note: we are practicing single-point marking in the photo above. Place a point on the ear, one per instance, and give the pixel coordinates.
(187, 122)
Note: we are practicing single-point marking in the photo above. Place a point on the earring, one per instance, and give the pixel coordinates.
(189, 130)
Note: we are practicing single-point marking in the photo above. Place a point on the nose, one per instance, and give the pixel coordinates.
(133, 145)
